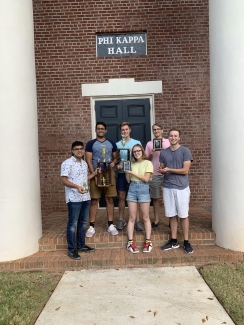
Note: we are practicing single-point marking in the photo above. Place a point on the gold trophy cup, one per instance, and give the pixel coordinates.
(84, 185)
(104, 177)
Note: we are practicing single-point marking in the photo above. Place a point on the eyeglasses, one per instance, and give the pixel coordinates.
(157, 129)
(77, 149)
(100, 129)
(137, 151)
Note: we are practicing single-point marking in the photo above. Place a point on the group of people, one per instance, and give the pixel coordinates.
(151, 169)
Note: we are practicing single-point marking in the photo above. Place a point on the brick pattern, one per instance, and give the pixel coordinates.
(178, 54)
(53, 255)
(107, 258)
(54, 226)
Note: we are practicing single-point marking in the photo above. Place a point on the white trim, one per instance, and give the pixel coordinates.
(94, 99)
(122, 87)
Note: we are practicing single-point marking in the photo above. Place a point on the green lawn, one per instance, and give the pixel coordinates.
(227, 282)
(23, 295)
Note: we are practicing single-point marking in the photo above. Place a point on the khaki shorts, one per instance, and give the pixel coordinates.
(155, 186)
(109, 191)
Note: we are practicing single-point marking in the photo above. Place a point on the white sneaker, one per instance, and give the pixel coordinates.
(90, 232)
(112, 230)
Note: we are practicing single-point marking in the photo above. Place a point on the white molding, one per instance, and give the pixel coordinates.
(122, 87)
(94, 99)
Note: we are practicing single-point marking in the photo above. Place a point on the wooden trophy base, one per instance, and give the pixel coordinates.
(104, 178)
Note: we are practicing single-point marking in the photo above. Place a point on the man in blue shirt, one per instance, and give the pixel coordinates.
(93, 156)
(122, 184)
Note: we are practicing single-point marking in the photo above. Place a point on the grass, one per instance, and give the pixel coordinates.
(23, 295)
(227, 282)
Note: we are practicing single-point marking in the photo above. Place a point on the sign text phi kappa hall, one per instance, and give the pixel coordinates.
(121, 44)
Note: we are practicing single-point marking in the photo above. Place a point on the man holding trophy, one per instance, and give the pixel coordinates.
(153, 149)
(101, 155)
(74, 175)
(124, 146)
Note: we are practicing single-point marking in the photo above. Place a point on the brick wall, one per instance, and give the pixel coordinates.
(178, 54)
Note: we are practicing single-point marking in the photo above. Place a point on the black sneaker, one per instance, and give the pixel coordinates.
(86, 249)
(170, 244)
(154, 225)
(188, 248)
(74, 255)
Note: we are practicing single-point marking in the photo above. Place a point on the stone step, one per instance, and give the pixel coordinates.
(58, 261)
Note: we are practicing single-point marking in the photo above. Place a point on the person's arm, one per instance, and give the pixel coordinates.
(115, 159)
(149, 153)
(127, 175)
(89, 161)
(145, 178)
(91, 175)
(180, 171)
(149, 157)
(66, 182)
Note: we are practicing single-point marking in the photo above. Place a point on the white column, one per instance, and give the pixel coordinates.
(20, 213)
(227, 120)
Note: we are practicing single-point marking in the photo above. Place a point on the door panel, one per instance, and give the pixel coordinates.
(134, 111)
(114, 112)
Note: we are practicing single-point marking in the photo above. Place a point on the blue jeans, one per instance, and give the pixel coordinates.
(76, 226)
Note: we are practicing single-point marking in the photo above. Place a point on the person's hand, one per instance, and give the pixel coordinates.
(162, 170)
(119, 167)
(81, 190)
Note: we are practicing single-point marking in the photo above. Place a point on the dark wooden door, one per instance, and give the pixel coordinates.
(134, 111)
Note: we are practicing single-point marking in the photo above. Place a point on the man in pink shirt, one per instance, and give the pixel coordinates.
(157, 179)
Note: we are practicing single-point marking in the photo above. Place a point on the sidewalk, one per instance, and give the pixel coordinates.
(155, 296)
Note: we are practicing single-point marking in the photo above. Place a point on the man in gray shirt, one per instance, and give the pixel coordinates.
(175, 163)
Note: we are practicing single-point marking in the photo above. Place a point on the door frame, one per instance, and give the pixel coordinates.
(93, 113)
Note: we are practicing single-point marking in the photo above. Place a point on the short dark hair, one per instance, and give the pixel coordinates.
(142, 149)
(77, 143)
(174, 129)
(101, 123)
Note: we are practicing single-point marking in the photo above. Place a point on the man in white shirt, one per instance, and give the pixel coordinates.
(74, 175)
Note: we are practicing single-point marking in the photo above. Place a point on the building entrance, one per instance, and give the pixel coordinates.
(134, 111)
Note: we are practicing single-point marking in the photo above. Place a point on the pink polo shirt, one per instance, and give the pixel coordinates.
(155, 157)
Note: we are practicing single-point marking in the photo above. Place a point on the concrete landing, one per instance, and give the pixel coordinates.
(155, 296)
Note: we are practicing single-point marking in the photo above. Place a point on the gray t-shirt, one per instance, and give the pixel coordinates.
(175, 159)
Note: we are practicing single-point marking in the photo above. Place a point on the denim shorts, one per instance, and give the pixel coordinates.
(138, 192)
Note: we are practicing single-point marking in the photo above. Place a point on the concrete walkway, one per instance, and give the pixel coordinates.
(150, 296)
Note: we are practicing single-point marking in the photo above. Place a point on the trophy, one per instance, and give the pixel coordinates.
(157, 144)
(104, 152)
(84, 185)
(104, 173)
(124, 158)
